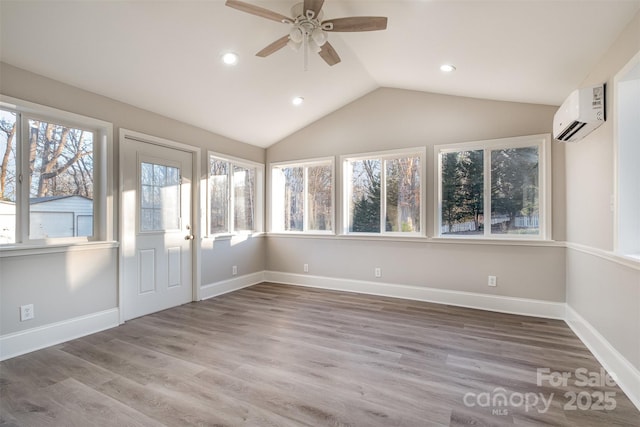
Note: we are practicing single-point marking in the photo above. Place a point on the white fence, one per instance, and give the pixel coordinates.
(470, 226)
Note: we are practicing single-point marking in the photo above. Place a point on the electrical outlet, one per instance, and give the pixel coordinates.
(377, 272)
(305, 268)
(26, 312)
(493, 281)
(234, 270)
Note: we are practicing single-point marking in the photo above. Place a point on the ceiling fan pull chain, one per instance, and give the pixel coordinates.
(305, 47)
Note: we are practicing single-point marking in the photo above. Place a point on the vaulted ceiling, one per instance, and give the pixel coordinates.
(165, 56)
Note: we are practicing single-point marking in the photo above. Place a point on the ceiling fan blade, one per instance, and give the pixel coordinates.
(357, 23)
(257, 10)
(314, 5)
(329, 54)
(273, 47)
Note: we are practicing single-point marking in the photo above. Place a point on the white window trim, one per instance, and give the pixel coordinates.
(543, 141)
(258, 224)
(383, 155)
(617, 228)
(103, 214)
(304, 164)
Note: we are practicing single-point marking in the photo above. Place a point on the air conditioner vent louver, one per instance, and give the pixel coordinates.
(571, 130)
(580, 114)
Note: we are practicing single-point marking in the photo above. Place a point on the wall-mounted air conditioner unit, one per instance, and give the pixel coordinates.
(581, 113)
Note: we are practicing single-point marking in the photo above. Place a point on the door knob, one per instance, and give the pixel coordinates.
(188, 236)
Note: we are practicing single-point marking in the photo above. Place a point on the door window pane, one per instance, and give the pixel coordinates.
(159, 197)
(514, 191)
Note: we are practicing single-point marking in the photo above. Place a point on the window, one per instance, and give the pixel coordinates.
(159, 197)
(49, 175)
(383, 193)
(235, 202)
(627, 128)
(302, 197)
(494, 188)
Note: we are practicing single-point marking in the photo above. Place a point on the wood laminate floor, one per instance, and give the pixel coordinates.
(275, 355)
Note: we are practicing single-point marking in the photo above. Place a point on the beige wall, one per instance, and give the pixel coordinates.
(65, 286)
(604, 292)
(523, 271)
(390, 119)
(61, 286)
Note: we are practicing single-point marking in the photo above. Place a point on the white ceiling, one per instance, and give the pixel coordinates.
(164, 56)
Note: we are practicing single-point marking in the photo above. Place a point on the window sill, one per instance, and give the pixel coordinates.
(422, 239)
(230, 236)
(24, 250)
(507, 241)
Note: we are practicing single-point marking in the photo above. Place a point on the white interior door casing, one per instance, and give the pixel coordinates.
(157, 237)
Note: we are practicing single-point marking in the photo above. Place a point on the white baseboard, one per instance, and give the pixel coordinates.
(230, 285)
(17, 343)
(623, 372)
(523, 306)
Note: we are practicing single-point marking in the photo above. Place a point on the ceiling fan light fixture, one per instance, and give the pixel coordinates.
(319, 36)
(313, 47)
(230, 58)
(309, 29)
(293, 45)
(296, 34)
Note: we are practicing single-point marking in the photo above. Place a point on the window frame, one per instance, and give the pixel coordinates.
(383, 156)
(624, 246)
(258, 225)
(103, 214)
(542, 141)
(305, 164)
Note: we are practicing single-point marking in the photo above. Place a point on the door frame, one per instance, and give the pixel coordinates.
(196, 217)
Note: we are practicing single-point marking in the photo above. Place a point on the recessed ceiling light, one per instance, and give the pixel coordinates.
(230, 58)
(298, 100)
(447, 68)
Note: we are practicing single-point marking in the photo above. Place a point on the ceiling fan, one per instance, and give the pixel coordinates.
(308, 30)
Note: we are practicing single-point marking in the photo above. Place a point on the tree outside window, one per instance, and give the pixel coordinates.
(384, 188)
(59, 162)
(233, 196)
(302, 197)
(493, 190)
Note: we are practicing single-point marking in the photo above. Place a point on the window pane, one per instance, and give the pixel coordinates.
(628, 110)
(462, 210)
(7, 177)
(160, 199)
(61, 178)
(514, 191)
(293, 198)
(364, 209)
(170, 199)
(244, 183)
(218, 195)
(320, 184)
(403, 194)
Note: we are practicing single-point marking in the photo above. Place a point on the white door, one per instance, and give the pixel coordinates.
(157, 237)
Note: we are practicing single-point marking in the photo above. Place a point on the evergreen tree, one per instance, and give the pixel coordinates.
(366, 211)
